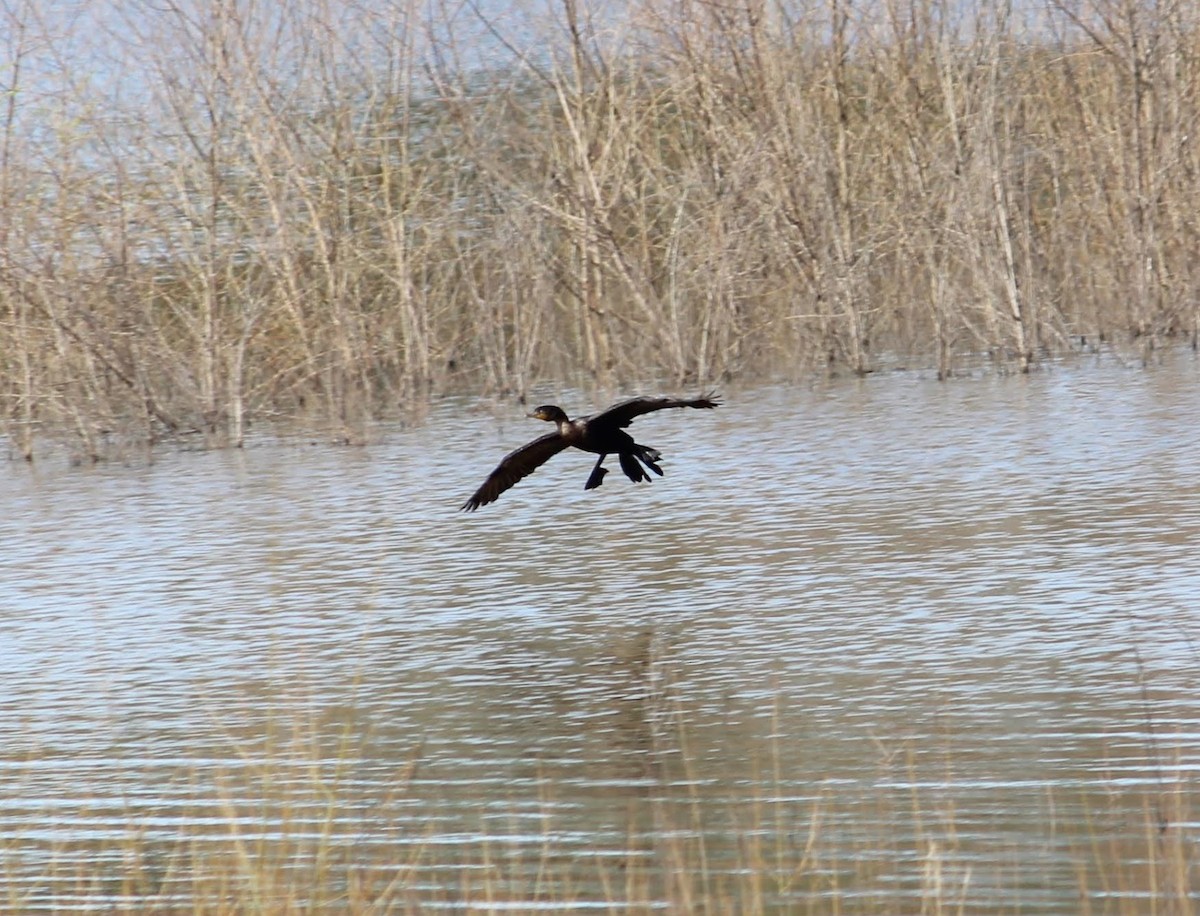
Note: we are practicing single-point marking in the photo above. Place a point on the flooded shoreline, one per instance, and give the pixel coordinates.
(882, 643)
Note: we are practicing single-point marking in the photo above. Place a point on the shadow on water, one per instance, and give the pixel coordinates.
(886, 642)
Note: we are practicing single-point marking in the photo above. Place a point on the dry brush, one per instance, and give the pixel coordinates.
(214, 214)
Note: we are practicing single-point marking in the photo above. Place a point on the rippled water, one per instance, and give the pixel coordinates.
(887, 641)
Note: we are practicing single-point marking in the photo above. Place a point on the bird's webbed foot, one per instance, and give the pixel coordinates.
(597, 476)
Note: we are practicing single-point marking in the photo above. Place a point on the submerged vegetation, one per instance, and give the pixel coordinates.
(313, 822)
(219, 212)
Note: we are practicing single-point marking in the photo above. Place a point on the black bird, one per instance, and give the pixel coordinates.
(601, 434)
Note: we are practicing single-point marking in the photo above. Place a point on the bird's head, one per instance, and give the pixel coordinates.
(550, 414)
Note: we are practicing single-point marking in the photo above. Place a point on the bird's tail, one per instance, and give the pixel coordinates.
(632, 469)
(650, 457)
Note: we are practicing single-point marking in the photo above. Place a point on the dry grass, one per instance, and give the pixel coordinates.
(213, 214)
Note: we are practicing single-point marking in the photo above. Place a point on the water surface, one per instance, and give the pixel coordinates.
(888, 641)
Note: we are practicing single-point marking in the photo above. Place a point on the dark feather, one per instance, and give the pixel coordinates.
(650, 457)
(623, 414)
(632, 469)
(515, 466)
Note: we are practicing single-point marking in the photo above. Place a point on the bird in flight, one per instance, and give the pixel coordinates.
(602, 434)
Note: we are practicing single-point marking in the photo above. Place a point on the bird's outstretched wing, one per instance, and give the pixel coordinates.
(622, 414)
(516, 465)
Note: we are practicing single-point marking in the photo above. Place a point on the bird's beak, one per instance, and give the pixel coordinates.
(533, 416)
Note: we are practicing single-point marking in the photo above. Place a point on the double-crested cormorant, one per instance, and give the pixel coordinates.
(601, 434)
